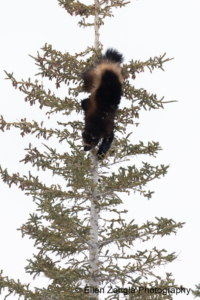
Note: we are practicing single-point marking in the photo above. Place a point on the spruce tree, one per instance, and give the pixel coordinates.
(79, 231)
(196, 293)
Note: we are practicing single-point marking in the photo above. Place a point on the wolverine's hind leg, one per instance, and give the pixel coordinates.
(85, 103)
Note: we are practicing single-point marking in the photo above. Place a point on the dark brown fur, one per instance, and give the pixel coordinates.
(104, 82)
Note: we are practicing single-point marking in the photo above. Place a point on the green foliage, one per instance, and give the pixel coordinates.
(196, 293)
(75, 7)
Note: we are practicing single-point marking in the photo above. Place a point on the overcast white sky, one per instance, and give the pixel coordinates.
(145, 28)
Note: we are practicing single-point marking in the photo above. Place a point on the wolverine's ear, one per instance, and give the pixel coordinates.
(87, 148)
(88, 78)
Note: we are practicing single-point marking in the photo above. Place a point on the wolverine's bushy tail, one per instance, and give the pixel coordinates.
(113, 55)
(109, 63)
(110, 79)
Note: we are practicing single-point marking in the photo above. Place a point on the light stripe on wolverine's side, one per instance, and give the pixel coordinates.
(104, 83)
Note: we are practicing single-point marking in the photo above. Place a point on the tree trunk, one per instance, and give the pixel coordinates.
(94, 211)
